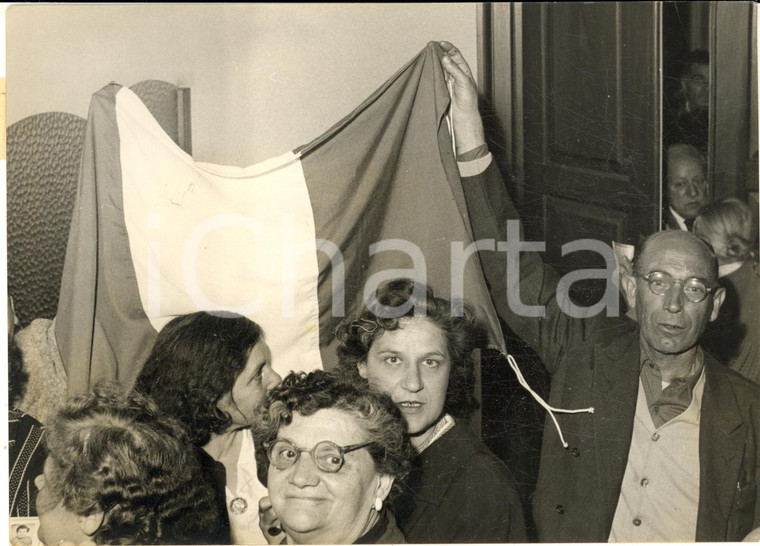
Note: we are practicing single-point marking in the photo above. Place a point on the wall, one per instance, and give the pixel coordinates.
(753, 91)
(264, 78)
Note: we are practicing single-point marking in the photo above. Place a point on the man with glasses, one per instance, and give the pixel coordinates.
(671, 450)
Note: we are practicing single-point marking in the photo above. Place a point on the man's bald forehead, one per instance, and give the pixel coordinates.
(684, 152)
(657, 244)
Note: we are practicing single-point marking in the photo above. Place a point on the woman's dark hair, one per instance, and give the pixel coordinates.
(194, 363)
(116, 453)
(463, 334)
(375, 412)
(17, 375)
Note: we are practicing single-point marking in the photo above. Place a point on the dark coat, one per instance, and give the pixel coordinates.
(734, 337)
(668, 220)
(458, 491)
(216, 476)
(385, 531)
(596, 362)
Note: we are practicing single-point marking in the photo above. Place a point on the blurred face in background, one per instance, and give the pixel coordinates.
(687, 185)
(696, 86)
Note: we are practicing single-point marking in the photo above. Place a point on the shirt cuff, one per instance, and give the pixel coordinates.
(474, 167)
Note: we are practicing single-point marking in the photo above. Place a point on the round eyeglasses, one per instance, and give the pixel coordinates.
(660, 284)
(328, 457)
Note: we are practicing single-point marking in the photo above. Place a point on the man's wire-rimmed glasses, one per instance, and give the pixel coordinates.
(695, 290)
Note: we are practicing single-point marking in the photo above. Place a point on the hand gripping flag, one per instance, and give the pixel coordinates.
(292, 243)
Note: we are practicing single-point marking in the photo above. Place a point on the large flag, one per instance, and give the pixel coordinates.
(292, 243)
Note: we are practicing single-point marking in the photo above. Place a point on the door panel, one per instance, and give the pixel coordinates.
(581, 86)
(591, 118)
(730, 43)
(569, 220)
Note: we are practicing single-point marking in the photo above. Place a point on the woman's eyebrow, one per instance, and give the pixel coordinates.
(434, 353)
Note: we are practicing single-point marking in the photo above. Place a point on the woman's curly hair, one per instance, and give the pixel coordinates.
(374, 412)
(458, 323)
(116, 453)
(194, 363)
(727, 225)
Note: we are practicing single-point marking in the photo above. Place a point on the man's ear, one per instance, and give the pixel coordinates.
(628, 283)
(384, 485)
(718, 298)
(362, 367)
(90, 524)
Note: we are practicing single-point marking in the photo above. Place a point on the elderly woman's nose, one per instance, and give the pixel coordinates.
(39, 482)
(304, 473)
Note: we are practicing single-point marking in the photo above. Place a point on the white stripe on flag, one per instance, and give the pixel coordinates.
(211, 237)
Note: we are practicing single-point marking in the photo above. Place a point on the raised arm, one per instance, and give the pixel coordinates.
(468, 127)
(523, 288)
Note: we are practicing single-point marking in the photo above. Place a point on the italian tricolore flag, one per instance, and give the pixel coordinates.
(291, 242)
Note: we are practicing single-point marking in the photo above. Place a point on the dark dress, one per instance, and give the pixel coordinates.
(385, 531)
(734, 337)
(458, 491)
(27, 455)
(216, 475)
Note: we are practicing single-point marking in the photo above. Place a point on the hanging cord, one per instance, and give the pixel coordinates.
(537, 397)
(449, 122)
(510, 359)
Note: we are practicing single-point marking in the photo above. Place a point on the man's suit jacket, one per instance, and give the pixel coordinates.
(668, 220)
(596, 362)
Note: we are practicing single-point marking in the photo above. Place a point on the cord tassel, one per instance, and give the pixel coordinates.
(547, 407)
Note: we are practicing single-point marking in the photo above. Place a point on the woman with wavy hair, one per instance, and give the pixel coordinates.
(417, 348)
(211, 371)
(734, 337)
(335, 450)
(120, 472)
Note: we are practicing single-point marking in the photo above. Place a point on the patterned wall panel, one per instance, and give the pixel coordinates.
(43, 169)
(161, 99)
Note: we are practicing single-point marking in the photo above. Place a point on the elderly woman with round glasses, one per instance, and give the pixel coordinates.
(335, 450)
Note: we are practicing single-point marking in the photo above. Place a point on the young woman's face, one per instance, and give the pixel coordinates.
(251, 387)
(412, 364)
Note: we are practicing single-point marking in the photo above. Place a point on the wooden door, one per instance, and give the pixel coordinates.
(729, 150)
(582, 112)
